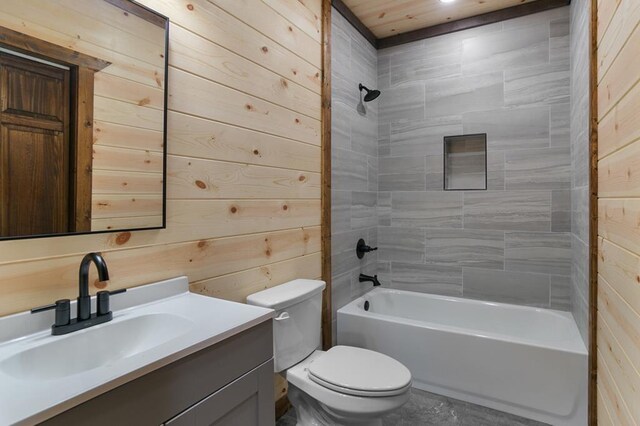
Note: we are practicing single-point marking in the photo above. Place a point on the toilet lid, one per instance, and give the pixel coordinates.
(357, 371)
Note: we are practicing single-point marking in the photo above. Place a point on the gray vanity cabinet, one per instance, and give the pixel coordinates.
(229, 383)
(239, 403)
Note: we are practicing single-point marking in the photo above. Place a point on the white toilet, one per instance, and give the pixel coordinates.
(342, 386)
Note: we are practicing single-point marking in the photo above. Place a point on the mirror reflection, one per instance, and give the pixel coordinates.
(82, 117)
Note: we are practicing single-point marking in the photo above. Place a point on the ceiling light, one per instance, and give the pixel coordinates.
(447, 1)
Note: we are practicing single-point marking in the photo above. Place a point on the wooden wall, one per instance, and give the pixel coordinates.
(243, 208)
(618, 318)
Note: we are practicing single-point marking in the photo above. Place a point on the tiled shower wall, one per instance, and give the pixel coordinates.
(580, 45)
(511, 243)
(354, 159)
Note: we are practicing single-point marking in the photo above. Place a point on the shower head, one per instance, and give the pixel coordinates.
(371, 94)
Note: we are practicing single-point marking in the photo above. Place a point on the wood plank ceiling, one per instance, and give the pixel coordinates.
(386, 18)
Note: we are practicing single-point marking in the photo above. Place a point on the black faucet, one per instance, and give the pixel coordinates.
(374, 279)
(84, 300)
(63, 322)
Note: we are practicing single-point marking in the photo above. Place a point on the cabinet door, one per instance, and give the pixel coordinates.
(246, 401)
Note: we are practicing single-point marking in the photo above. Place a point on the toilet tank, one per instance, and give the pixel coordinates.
(297, 326)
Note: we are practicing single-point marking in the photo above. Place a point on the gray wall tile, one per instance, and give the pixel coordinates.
(344, 242)
(384, 273)
(384, 208)
(402, 182)
(435, 172)
(401, 244)
(511, 129)
(363, 209)
(547, 168)
(384, 138)
(349, 170)
(539, 252)
(401, 173)
(559, 42)
(559, 131)
(402, 103)
(425, 61)
(495, 170)
(508, 210)
(561, 211)
(390, 165)
(580, 212)
(372, 162)
(436, 279)
(546, 84)
(427, 209)
(580, 265)
(521, 47)
(507, 286)
(560, 293)
(340, 292)
(340, 211)
(340, 126)
(423, 137)
(453, 96)
(536, 18)
(465, 247)
(364, 132)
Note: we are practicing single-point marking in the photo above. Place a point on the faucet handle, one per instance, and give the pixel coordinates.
(63, 311)
(103, 300)
(43, 308)
(362, 248)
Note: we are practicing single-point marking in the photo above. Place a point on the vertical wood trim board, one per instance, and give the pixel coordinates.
(615, 282)
(248, 126)
(326, 173)
(592, 345)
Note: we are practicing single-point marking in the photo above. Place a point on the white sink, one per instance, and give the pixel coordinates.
(93, 348)
(153, 325)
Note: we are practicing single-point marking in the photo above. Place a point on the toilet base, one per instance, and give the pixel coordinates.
(310, 412)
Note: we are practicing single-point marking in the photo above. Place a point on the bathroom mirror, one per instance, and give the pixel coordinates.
(83, 117)
(465, 162)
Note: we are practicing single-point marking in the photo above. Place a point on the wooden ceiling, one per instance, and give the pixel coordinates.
(387, 18)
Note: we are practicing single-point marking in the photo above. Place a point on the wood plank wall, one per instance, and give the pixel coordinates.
(618, 317)
(243, 208)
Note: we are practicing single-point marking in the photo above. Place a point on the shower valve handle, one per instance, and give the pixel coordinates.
(362, 248)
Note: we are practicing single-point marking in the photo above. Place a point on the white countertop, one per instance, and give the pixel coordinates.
(205, 320)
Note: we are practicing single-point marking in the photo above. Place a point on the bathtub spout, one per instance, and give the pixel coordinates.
(374, 279)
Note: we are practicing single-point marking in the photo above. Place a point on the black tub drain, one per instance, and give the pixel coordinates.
(366, 305)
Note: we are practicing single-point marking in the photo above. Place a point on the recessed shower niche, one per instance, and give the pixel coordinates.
(465, 162)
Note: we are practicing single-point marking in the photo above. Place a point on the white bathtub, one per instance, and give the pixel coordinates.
(526, 361)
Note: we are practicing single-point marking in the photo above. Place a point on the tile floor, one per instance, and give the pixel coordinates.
(426, 409)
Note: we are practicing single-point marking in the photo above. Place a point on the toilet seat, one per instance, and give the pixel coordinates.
(359, 372)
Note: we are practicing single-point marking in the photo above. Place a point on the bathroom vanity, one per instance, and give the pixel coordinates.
(167, 357)
(232, 380)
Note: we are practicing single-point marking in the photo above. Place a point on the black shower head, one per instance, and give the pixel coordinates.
(371, 94)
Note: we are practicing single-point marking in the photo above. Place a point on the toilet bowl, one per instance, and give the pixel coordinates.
(357, 400)
(342, 386)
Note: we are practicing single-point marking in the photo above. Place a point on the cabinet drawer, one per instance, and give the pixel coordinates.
(245, 402)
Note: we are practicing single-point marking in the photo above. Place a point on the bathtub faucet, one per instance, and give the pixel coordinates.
(374, 279)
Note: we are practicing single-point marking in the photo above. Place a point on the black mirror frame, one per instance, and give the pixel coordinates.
(164, 146)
